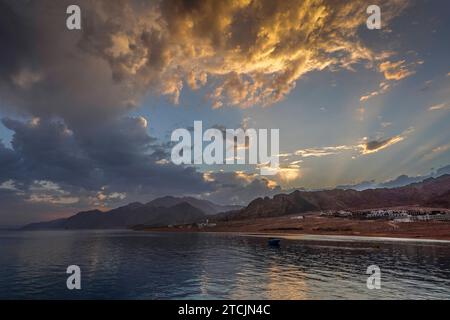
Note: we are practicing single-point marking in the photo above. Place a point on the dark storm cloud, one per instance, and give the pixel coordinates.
(45, 149)
(9, 163)
(45, 73)
(52, 170)
(56, 168)
(118, 154)
(15, 39)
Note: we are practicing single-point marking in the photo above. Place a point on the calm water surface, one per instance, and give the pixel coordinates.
(139, 265)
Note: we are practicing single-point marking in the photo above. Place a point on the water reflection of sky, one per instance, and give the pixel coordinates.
(209, 266)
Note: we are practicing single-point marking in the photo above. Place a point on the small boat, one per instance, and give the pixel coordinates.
(274, 242)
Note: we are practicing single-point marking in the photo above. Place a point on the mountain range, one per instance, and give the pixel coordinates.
(431, 192)
(400, 181)
(159, 212)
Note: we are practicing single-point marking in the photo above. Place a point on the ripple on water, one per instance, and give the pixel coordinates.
(139, 265)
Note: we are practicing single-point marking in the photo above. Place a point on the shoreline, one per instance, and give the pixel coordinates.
(311, 237)
(360, 238)
(282, 235)
(314, 227)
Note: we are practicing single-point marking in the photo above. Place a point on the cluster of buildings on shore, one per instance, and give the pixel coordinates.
(397, 215)
(206, 224)
(199, 225)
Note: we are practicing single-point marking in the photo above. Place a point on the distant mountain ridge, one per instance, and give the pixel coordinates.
(207, 207)
(400, 181)
(432, 192)
(159, 212)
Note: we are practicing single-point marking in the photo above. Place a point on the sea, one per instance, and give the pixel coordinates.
(118, 264)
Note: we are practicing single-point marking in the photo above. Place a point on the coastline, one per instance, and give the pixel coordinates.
(313, 227)
(313, 237)
(359, 238)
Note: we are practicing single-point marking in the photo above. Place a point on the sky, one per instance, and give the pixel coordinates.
(87, 115)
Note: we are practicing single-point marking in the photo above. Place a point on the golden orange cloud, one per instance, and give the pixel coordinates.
(375, 146)
(245, 52)
(395, 70)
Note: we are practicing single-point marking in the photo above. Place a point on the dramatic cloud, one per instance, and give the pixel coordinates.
(244, 52)
(249, 52)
